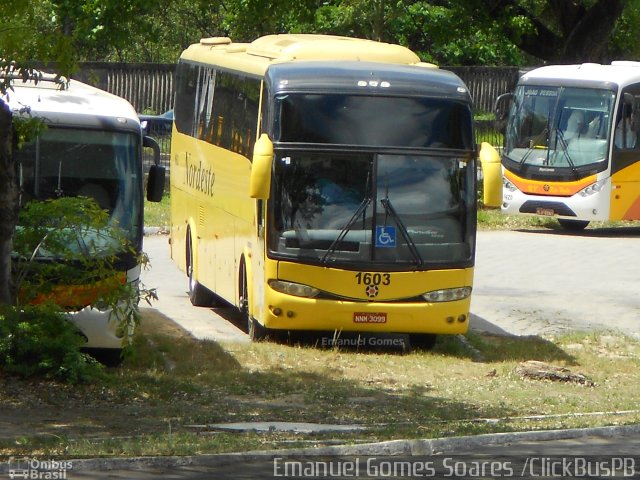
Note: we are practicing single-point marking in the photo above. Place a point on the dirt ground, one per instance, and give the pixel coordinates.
(43, 408)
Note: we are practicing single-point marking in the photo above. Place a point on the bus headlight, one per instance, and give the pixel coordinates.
(295, 289)
(447, 294)
(508, 185)
(591, 189)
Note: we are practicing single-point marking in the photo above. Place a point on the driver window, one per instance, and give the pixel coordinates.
(626, 121)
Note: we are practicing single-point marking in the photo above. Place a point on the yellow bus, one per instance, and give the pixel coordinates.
(323, 183)
(571, 144)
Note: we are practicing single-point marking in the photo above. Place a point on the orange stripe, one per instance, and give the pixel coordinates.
(633, 213)
(559, 189)
(77, 296)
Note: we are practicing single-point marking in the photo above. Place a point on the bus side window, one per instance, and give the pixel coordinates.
(627, 122)
(186, 78)
(626, 131)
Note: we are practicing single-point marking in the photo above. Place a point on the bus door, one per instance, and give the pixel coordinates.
(625, 157)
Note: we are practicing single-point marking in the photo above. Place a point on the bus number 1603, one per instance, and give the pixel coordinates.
(373, 278)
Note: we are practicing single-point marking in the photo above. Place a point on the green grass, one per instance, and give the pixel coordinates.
(165, 396)
(158, 214)
(492, 219)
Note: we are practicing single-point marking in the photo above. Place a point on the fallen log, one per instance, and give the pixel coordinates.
(543, 371)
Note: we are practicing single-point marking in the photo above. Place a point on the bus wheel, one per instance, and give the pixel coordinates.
(198, 295)
(422, 341)
(256, 331)
(573, 225)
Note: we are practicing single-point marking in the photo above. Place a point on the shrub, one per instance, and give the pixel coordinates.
(41, 341)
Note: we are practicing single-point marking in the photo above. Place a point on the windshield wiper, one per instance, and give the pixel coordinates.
(359, 211)
(534, 141)
(565, 150)
(386, 203)
(347, 228)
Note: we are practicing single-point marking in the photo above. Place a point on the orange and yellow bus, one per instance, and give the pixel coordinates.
(323, 183)
(571, 145)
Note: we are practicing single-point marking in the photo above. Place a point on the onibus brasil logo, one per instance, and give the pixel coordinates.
(39, 469)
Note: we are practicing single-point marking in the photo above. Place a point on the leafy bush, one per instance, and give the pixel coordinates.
(41, 341)
(65, 257)
(66, 251)
(66, 241)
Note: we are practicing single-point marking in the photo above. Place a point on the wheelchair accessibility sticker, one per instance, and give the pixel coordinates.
(386, 237)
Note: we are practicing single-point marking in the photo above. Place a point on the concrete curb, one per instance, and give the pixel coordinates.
(418, 447)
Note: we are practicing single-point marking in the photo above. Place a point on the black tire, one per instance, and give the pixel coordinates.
(255, 330)
(198, 295)
(109, 357)
(573, 225)
(423, 341)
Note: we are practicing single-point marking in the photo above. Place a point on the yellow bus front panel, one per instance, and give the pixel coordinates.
(366, 301)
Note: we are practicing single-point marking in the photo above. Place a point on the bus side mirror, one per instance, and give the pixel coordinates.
(155, 183)
(491, 175)
(156, 177)
(501, 109)
(260, 181)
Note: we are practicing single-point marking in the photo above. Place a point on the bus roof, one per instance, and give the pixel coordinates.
(367, 77)
(70, 104)
(255, 57)
(616, 75)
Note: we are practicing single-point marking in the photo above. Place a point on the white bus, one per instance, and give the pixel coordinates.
(571, 144)
(92, 146)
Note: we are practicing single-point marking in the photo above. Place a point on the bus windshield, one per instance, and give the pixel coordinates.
(102, 165)
(416, 122)
(560, 127)
(391, 210)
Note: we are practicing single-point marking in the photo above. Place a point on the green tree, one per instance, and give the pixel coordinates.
(559, 31)
(19, 43)
(486, 32)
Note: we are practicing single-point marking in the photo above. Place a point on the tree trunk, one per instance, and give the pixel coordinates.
(585, 29)
(8, 204)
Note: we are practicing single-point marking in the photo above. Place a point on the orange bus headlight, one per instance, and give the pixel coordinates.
(295, 289)
(447, 294)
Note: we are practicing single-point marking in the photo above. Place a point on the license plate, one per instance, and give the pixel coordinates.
(545, 211)
(369, 317)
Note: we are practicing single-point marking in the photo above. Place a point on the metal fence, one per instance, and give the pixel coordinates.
(487, 83)
(149, 87)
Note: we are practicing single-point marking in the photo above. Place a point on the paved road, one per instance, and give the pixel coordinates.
(526, 283)
(527, 455)
(548, 282)
(221, 324)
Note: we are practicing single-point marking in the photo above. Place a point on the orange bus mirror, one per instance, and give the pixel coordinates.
(260, 182)
(491, 175)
